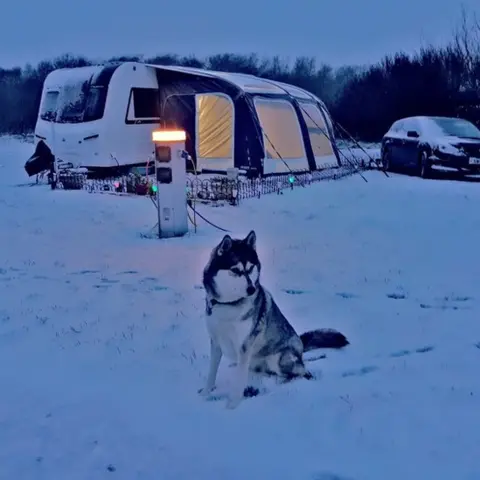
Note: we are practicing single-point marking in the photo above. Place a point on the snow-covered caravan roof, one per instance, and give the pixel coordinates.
(63, 76)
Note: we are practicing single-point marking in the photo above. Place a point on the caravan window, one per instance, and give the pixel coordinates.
(48, 110)
(144, 105)
(72, 102)
(95, 103)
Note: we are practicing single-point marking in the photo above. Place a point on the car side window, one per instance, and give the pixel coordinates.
(397, 127)
(412, 125)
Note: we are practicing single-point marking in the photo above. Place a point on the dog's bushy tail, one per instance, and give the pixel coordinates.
(323, 338)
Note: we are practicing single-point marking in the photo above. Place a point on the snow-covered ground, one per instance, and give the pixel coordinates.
(103, 345)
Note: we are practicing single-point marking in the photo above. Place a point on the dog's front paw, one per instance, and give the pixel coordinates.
(206, 391)
(233, 402)
(234, 399)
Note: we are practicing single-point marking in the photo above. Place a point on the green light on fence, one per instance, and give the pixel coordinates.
(291, 179)
(154, 189)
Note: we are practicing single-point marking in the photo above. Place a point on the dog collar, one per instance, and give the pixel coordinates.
(210, 303)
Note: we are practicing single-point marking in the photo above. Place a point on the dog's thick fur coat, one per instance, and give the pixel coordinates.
(246, 325)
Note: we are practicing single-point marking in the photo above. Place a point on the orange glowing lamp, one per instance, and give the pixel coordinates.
(168, 136)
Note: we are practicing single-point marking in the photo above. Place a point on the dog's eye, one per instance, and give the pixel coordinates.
(236, 271)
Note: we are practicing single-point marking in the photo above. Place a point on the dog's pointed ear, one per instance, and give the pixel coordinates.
(224, 245)
(251, 239)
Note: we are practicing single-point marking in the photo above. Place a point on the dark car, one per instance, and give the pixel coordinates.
(422, 143)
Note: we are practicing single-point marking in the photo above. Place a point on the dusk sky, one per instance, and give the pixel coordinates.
(337, 32)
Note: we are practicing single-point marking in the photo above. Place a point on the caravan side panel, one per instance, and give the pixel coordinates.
(132, 112)
(119, 134)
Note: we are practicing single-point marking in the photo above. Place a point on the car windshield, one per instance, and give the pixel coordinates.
(457, 127)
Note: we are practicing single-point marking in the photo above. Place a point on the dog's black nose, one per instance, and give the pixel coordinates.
(250, 290)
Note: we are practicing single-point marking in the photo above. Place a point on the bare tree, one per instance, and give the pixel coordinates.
(466, 43)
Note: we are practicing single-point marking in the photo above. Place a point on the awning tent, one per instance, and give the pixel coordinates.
(238, 120)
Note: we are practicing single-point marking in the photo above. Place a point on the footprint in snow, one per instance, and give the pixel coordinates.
(86, 272)
(346, 295)
(159, 288)
(396, 296)
(443, 307)
(293, 292)
(148, 280)
(455, 298)
(360, 372)
(404, 353)
(448, 303)
(400, 353)
(425, 349)
(108, 281)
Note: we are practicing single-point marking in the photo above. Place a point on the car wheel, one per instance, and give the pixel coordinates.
(386, 160)
(424, 167)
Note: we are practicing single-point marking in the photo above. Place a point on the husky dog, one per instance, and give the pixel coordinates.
(246, 325)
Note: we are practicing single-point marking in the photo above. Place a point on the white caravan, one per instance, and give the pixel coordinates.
(101, 117)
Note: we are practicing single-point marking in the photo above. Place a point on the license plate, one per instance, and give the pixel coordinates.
(474, 161)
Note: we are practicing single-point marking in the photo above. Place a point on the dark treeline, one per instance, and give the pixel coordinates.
(364, 100)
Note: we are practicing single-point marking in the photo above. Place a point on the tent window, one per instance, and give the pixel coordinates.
(317, 130)
(214, 126)
(144, 104)
(281, 129)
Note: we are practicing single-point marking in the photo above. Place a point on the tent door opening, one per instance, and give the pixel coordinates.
(214, 127)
